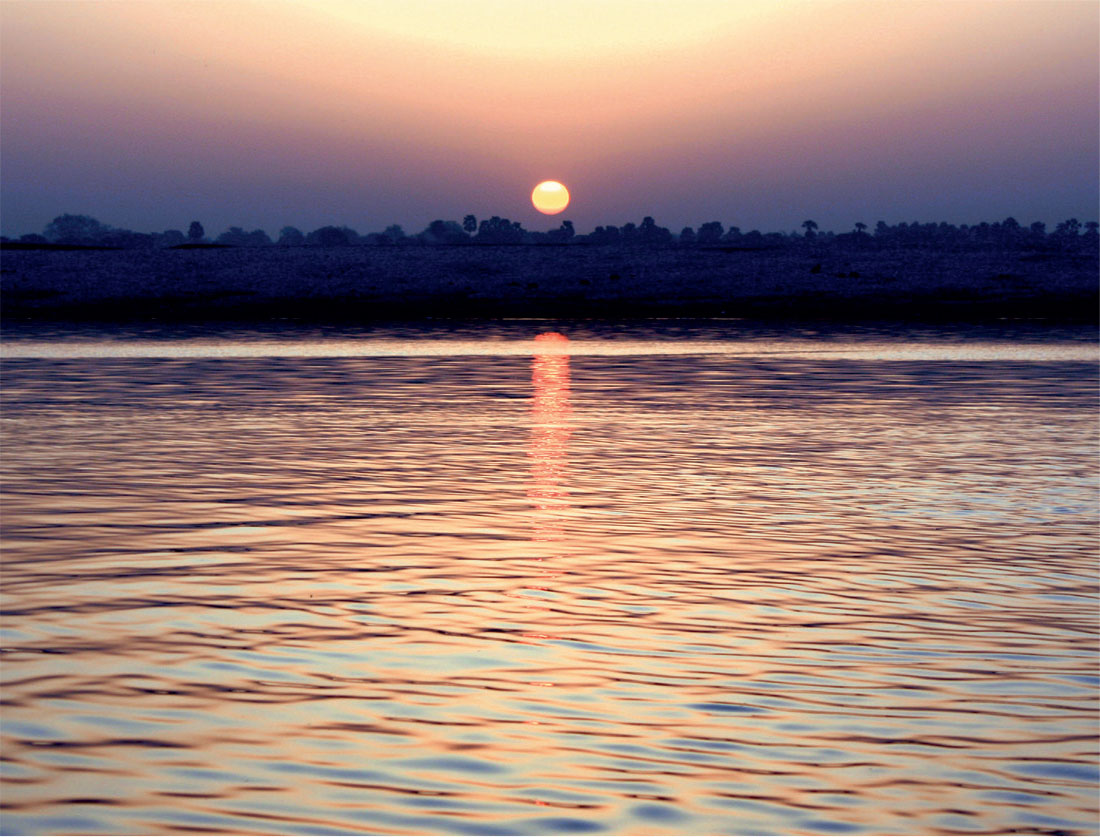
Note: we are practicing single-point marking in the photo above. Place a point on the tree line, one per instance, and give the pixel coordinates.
(83, 231)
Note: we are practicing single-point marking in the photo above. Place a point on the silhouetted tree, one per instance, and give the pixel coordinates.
(329, 237)
(291, 237)
(1066, 235)
(75, 229)
(469, 224)
(710, 233)
(860, 227)
(651, 233)
(393, 234)
(604, 235)
(1068, 229)
(237, 237)
(499, 230)
(811, 228)
(234, 236)
(171, 238)
(195, 232)
(444, 232)
(1092, 234)
(687, 235)
(561, 235)
(1006, 234)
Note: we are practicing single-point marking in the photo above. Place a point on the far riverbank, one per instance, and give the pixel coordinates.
(364, 284)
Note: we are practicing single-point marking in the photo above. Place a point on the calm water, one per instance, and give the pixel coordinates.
(683, 584)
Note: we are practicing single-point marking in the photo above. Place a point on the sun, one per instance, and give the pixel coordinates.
(550, 197)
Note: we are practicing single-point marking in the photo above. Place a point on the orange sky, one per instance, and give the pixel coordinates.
(148, 113)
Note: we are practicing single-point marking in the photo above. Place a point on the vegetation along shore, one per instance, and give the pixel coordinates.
(904, 272)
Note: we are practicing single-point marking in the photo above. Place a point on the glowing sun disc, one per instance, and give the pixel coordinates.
(550, 197)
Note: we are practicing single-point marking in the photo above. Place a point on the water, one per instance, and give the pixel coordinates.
(451, 584)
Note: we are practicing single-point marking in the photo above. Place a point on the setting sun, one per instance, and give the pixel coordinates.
(550, 197)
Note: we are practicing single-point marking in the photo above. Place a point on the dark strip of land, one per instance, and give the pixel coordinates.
(363, 284)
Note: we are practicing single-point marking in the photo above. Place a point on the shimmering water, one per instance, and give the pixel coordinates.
(414, 586)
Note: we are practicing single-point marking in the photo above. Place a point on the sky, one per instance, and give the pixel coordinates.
(148, 114)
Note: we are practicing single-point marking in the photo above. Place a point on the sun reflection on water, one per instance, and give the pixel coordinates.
(550, 432)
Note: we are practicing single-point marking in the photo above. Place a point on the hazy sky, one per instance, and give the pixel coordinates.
(148, 114)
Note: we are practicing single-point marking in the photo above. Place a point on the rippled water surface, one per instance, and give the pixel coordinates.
(673, 585)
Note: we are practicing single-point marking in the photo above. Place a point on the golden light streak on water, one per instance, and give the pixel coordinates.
(550, 432)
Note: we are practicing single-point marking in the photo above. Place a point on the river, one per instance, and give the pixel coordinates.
(542, 579)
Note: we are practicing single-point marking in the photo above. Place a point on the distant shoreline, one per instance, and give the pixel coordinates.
(370, 284)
